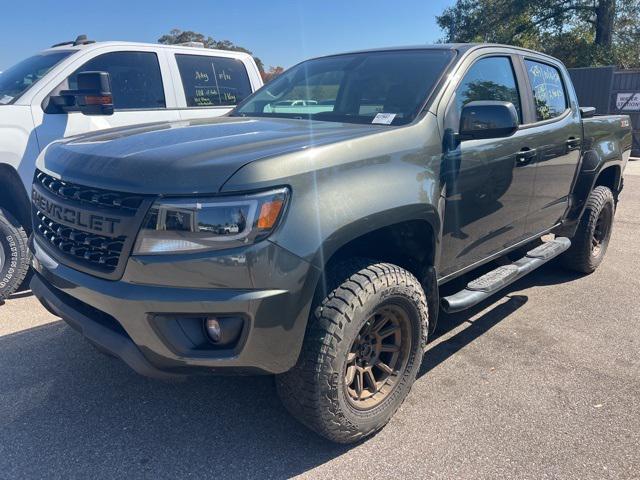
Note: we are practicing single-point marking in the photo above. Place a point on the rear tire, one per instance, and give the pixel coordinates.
(361, 353)
(591, 240)
(14, 254)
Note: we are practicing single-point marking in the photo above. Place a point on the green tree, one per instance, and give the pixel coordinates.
(579, 32)
(176, 36)
(488, 89)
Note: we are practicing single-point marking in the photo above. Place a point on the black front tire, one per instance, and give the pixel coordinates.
(589, 244)
(14, 254)
(315, 391)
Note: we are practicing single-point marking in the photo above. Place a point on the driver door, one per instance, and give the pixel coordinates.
(488, 185)
(139, 96)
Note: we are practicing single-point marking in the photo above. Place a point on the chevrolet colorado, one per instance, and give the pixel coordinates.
(312, 242)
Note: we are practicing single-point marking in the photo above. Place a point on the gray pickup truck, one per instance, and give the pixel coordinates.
(313, 242)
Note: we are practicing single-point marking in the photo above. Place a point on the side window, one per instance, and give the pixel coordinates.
(548, 90)
(213, 81)
(136, 80)
(489, 79)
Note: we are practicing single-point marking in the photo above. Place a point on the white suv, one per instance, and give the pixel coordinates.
(148, 83)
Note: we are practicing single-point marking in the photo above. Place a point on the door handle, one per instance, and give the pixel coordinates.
(524, 156)
(573, 143)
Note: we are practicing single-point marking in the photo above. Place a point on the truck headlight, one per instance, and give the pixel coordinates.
(213, 223)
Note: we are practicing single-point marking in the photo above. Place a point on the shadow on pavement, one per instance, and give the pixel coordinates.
(445, 349)
(550, 274)
(68, 411)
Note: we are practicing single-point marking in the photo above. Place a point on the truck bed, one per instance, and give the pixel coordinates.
(609, 136)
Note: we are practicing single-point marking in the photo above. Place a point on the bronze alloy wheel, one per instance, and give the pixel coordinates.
(378, 357)
(601, 232)
(361, 353)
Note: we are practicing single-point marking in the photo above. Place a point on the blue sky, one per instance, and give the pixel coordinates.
(279, 32)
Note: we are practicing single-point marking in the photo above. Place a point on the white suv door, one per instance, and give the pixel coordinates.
(142, 93)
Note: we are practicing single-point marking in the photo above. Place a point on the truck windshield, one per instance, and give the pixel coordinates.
(18, 79)
(385, 87)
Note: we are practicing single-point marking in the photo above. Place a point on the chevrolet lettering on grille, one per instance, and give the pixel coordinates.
(84, 220)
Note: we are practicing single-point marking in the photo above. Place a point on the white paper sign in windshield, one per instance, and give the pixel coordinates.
(384, 118)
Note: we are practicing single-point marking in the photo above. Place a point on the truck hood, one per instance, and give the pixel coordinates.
(185, 157)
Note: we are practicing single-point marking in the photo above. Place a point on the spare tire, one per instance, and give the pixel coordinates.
(14, 254)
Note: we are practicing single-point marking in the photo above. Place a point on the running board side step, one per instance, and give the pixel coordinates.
(495, 280)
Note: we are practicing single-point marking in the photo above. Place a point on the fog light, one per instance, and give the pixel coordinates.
(212, 326)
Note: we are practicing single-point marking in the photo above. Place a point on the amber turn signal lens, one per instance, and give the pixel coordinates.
(269, 214)
(98, 100)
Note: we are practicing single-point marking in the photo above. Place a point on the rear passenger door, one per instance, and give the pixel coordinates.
(555, 127)
(212, 85)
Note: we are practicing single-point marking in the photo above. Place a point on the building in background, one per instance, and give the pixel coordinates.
(611, 90)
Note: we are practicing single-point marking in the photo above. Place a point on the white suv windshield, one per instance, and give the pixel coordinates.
(384, 87)
(18, 79)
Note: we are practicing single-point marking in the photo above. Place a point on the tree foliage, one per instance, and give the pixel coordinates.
(176, 36)
(272, 73)
(579, 32)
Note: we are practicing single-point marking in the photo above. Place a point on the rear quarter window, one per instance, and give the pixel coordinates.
(548, 90)
(213, 81)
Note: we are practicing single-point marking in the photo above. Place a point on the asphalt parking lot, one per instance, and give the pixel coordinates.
(540, 382)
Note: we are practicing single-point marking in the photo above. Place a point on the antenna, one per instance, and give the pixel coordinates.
(80, 40)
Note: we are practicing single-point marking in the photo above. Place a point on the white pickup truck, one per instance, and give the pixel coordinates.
(146, 82)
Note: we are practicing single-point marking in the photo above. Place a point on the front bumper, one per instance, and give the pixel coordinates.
(271, 288)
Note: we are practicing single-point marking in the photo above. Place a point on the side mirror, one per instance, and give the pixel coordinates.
(93, 96)
(587, 112)
(487, 119)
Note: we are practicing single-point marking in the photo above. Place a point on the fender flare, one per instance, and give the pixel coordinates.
(384, 219)
(591, 168)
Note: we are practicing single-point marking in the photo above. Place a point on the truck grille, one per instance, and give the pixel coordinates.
(68, 218)
(87, 195)
(95, 250)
